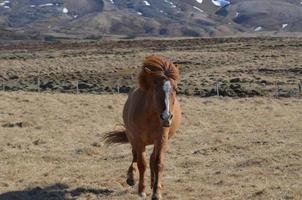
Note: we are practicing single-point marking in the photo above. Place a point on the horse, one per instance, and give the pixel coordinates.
(151, 116)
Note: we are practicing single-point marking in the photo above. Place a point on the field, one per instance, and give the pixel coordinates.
(51, 148)
(244, 145)
(242, 67)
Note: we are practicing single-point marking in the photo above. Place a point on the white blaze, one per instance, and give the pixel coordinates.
(166, 89)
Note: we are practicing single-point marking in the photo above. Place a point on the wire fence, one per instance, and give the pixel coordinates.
(78, 86)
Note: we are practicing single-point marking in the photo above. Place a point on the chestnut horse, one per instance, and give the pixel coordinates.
(151, 116)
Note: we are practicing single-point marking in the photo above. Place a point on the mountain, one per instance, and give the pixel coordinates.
(87, 18)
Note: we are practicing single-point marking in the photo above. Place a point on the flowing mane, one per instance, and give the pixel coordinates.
(159, 67)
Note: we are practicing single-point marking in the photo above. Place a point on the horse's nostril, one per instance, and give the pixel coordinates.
(166, 120)
(166, 117)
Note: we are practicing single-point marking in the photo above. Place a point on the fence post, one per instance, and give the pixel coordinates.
(118, 86)
(277, 90)
(39, 73)
(39, 84)
(217, 88)
(77, 85)
(300, 87)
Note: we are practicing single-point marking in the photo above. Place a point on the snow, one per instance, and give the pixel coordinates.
(112, 1)
(221, 3)
(46, 4)
(139, 13)
(4, 4)
(65, 10)
(259, 28)
(284, 26)
(147, 3)
(198, 9)
(237, 14)
(32, 6)
(171, 3)
(6, 7)
(199, 1)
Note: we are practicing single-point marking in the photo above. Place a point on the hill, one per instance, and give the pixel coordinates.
(93, 18)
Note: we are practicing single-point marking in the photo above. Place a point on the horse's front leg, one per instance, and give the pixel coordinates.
(142, 165)
(159, 154)
(152, 165)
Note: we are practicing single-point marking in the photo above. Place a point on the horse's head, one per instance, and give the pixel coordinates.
(166, 102)
(159, 77)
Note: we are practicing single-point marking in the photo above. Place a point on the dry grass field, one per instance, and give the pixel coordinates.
(51, 144)
(51, 148)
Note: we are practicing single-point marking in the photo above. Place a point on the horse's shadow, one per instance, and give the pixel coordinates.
(53, 192)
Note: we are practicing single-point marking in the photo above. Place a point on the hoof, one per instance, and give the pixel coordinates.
(156, 197)
(143, 195)
(130, 181)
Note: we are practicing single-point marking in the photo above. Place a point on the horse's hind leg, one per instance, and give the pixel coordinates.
(132, 169)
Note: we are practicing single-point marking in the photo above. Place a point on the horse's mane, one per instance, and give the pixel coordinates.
(155, 66)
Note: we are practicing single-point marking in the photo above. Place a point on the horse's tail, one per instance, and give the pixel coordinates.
(114, 137)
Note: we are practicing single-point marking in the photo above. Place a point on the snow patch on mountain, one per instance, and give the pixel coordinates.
(65, 10)
(284, 26)
(171, 3)
(46, 5)
(198, 9)
(199, 1)
(5, 4)
(221, 3)
(147, 3)
(259, 28)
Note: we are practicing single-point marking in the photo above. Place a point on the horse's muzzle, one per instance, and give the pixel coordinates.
(166, 122)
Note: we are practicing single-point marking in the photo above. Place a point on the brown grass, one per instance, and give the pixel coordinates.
(51, 148)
